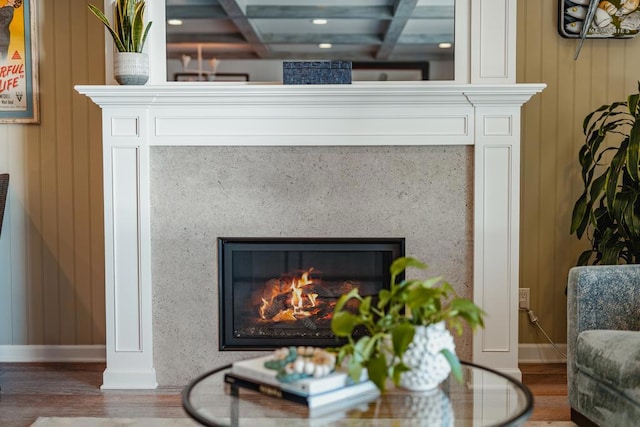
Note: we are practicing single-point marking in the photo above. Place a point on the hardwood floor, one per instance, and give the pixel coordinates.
(72, 390)
(31, 390)
(548, 383)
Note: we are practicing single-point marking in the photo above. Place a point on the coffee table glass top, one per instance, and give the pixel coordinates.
(484, 398)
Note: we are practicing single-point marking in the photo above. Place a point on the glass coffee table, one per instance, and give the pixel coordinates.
(485, 398)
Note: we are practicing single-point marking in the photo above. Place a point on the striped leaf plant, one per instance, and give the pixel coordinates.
(128, 31)
(608, 210)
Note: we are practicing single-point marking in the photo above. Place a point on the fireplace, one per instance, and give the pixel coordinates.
(281, 292)
(159, 252)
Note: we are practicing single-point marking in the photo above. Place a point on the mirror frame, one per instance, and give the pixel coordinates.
(485, 44)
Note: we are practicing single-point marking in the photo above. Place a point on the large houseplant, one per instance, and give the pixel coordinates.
(131, 65)
(608, 209)
(401, 312)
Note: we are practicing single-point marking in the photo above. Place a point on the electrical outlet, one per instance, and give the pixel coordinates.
(523, 298)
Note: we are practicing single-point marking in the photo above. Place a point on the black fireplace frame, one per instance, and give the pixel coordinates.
(396, 246)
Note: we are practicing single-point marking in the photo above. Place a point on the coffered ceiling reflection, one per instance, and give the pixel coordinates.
(354, 30)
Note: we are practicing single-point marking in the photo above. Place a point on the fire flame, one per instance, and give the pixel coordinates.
(298, 301)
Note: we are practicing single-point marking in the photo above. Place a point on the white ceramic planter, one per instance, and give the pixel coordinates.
(428, 365)
(432, 408)
(131, 68)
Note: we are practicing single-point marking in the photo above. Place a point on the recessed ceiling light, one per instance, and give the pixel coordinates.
(174, 22)
(319, 21)
(325, 46)
(444, 45)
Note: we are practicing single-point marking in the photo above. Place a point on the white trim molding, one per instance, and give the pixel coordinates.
(52, 353)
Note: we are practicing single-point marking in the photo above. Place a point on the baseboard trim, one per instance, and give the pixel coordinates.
(52, 353)
(136, 380)
(541, 353)
(527, 353)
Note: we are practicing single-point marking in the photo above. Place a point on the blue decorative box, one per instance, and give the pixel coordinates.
(316, 72)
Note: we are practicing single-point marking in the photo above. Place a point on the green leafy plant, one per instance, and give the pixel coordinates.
(127, 32)
(391, 321)
(608, 210)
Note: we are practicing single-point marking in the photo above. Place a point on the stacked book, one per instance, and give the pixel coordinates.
(313, 392)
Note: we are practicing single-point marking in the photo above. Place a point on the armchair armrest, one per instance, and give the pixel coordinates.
(600, 297)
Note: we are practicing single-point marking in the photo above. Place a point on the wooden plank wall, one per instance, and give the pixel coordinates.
(51, 248)
(606, 71)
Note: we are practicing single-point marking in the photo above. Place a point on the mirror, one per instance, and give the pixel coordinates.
(247, 40)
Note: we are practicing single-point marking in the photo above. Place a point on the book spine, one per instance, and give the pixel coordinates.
(268, 389)
(310, 386)
(255, 374)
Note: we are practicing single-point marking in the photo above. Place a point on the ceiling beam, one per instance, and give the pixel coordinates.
(206, 38)
(308, 12)
(434, 12)
(403, 10)
(278, 38)
(195, 12)
(425, 39)
(337, 39)
(249, 32)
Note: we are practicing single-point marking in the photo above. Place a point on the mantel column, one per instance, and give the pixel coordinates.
(127, 250)
(496, 232)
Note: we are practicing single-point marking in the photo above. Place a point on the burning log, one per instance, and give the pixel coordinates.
(275, 306)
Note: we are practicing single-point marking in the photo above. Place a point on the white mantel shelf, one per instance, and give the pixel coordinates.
(135, 118)
(277, 94)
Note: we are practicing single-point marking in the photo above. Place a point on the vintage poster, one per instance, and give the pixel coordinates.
(18, 72)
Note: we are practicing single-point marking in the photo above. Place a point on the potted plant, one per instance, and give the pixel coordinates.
(608, 209)
(131, 65)
(406, 337)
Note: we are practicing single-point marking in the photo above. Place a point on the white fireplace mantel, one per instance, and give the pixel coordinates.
(479, 108)
(486, 117)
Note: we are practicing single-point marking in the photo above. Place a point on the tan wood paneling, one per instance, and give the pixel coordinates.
(605, 71)
(49, 168)
(63, 62)
(95, 73)
(56, 279)
(80, 154)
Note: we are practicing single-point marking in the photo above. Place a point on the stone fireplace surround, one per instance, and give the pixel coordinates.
(148, 130)
(422, 193)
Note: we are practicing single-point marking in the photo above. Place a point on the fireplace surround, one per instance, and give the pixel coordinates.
(180, 120)
(172, 123)
(282, 292)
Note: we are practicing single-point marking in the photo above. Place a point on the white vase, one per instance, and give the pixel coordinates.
(131, 68)
(431, 408)
(428, 365)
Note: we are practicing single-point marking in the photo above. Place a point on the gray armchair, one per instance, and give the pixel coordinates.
(603, 345)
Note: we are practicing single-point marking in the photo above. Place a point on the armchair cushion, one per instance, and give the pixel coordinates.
(611, 358)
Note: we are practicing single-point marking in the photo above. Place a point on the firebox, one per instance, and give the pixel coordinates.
(282, 292)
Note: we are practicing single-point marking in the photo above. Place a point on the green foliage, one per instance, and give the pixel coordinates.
(391, 322)
(127, 31)
(608, 210)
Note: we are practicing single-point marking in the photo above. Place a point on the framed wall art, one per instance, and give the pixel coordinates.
(18, 62)
(603, 19)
